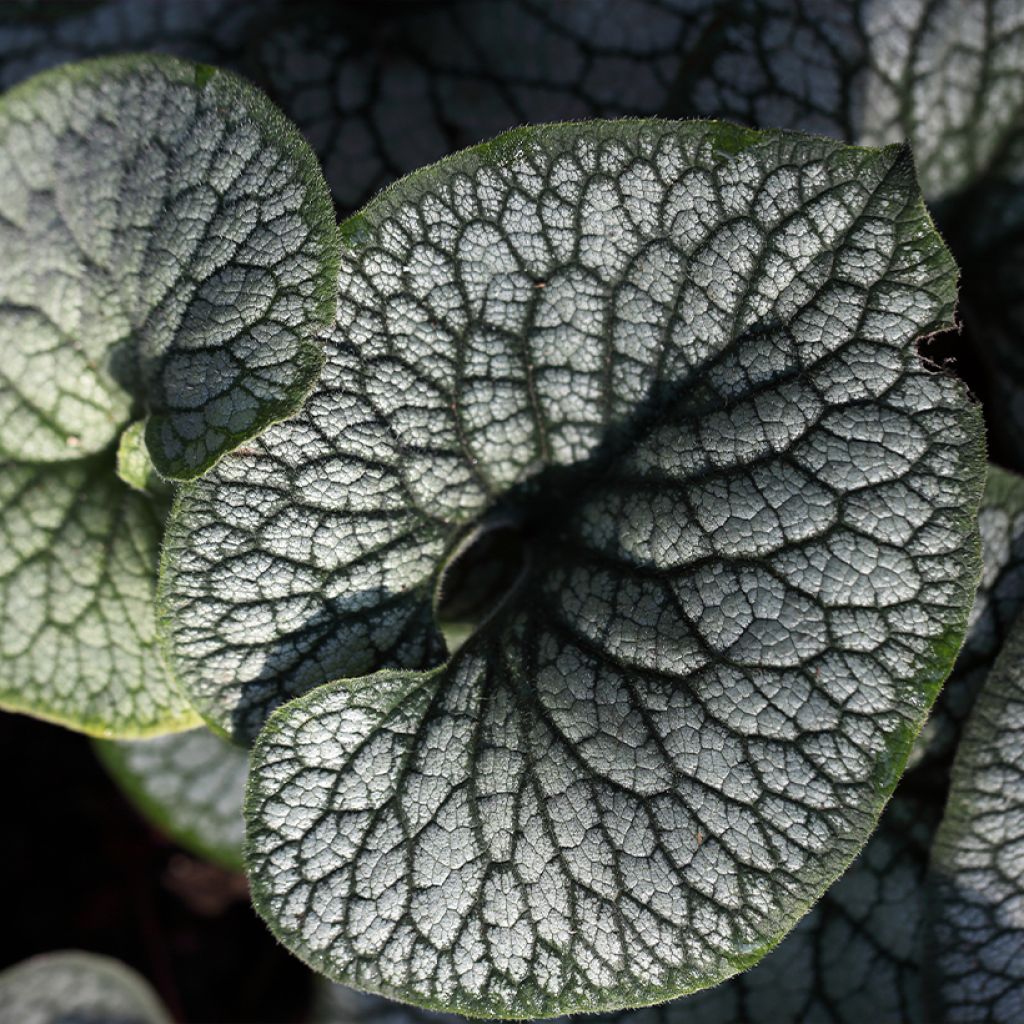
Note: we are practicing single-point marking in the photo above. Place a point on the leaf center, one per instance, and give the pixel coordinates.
(484, 570)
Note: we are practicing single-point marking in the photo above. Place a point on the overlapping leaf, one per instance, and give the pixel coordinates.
(190, 785)
(381, 91)
(170, 251)
(78, 559)
(77, 987)
(976, 961)
(678, 361)
(946, 74)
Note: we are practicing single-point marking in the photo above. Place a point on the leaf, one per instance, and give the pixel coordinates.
(853, 958)
(170, 249)
(383, 92)
(997, 603)
(674, 363)
(44, 35)
(976, 959)
(190, 785)
(77, 987)
(78, 559)
(381, 95)
(947, 75)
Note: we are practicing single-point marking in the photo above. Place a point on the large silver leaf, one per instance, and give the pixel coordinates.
(976, 959)
(677, 363)
(170, 251)
(77, 988)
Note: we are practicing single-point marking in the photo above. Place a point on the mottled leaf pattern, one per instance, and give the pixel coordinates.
(170, 249)
(77, 988)
(381, 95)
(976, 959)
(78, 560)
(855, 957)
(170, 252)
(189, 784)
(679, 359)
(382, 90)
(946, 74)
(41, 35)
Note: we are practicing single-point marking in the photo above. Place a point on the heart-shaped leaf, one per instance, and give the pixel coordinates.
(77, 988)
(976, 960)
(646, 396)
(997, 604)
(190, 785)
(170, 250)
(78, 559)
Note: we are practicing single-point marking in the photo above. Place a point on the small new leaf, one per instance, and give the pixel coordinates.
(170, 250)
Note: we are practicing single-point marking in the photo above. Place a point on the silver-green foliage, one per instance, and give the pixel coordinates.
(169, 254)
(78, 560)
(679, 360)
(855, 957)
(77, 988)
(170, 248)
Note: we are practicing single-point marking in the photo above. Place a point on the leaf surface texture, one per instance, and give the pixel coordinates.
(171, 251)
(678, 360)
